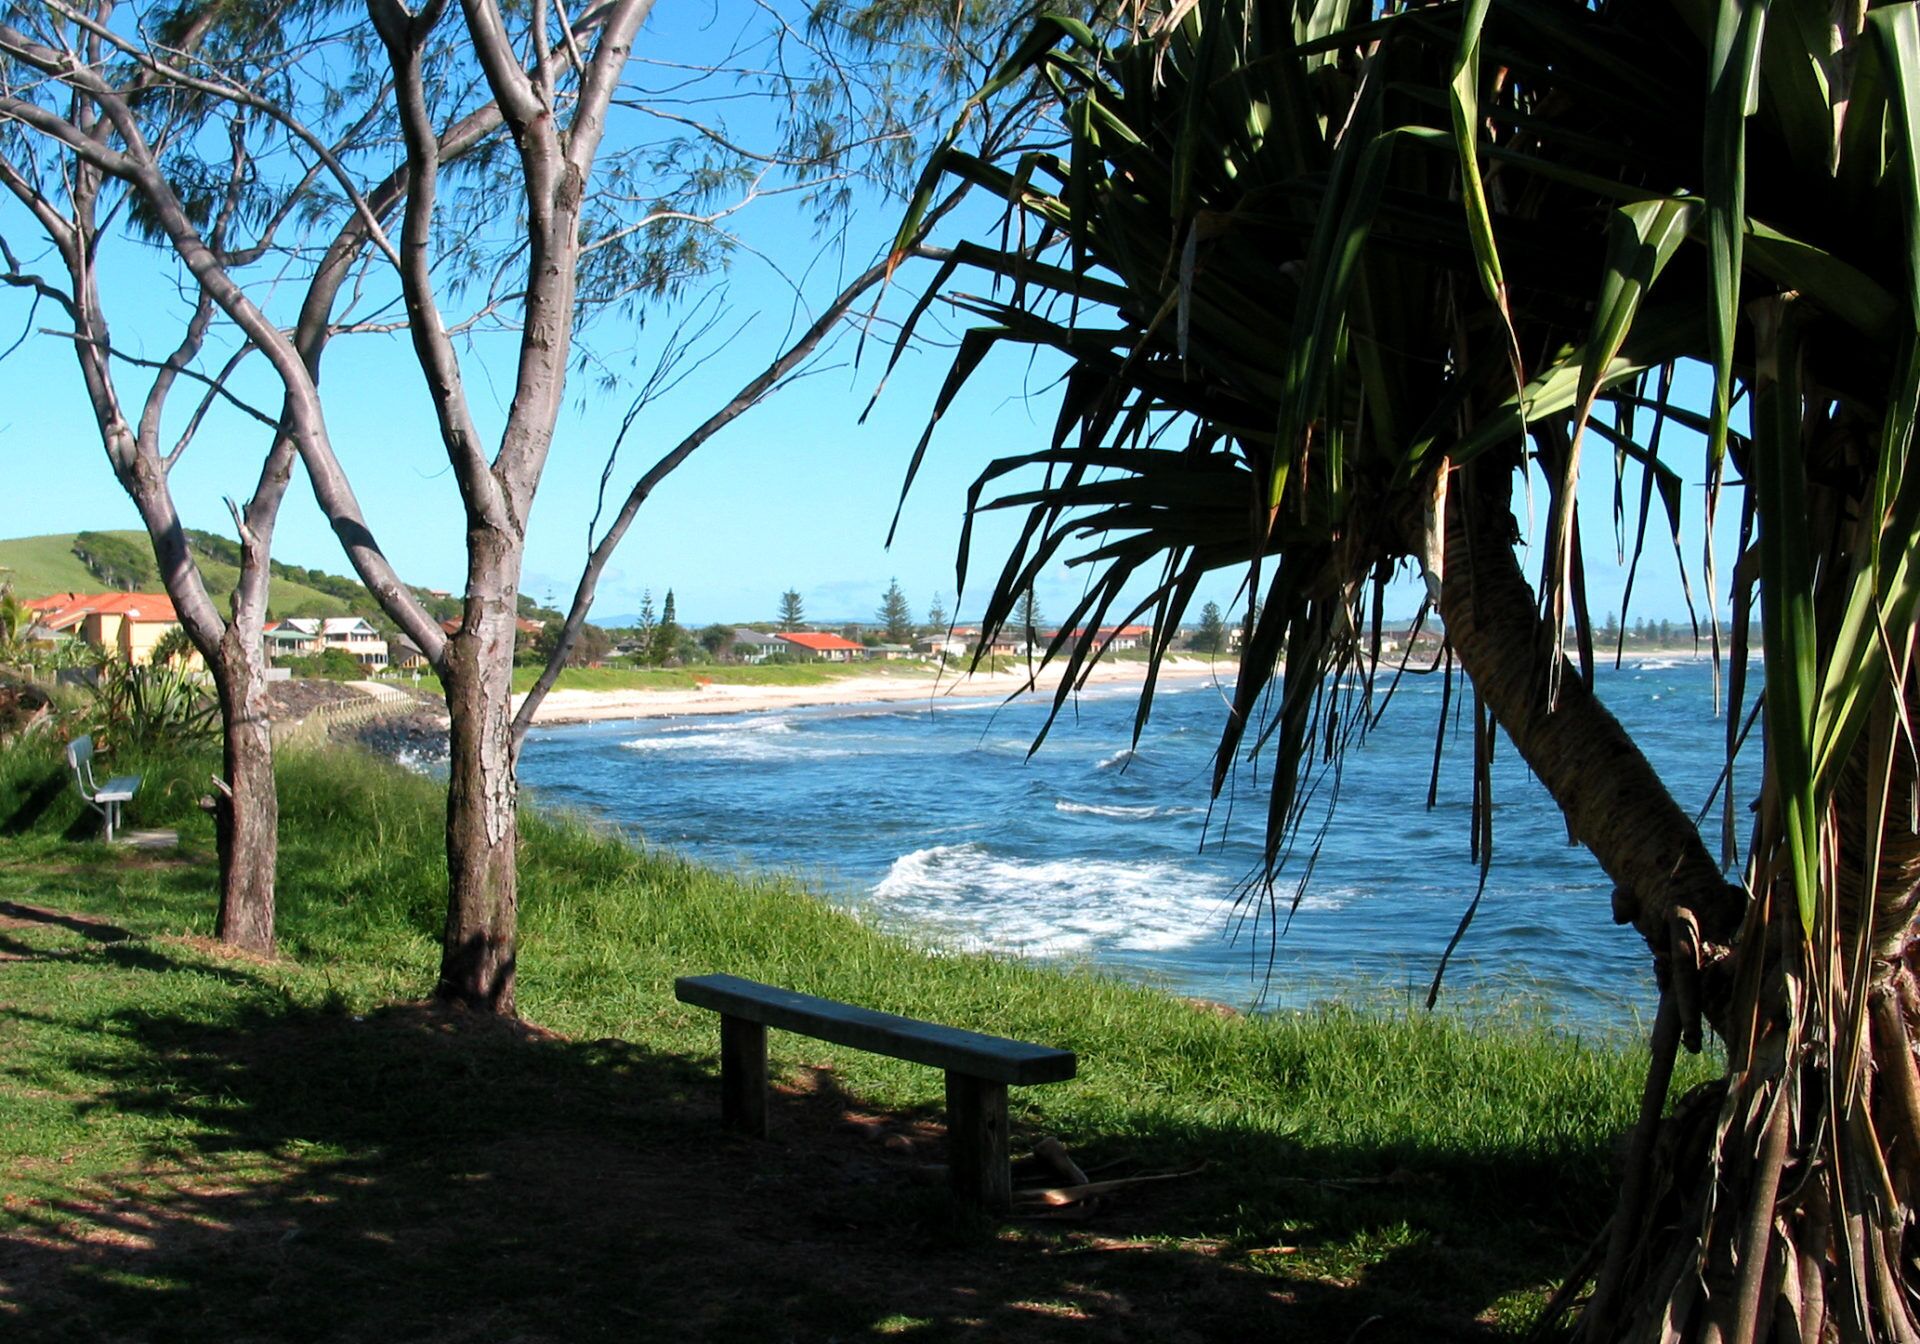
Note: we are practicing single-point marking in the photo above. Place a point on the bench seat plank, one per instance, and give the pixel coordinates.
(995, 1058)
(119, 789)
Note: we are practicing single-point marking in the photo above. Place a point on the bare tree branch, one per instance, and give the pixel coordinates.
(213, 384)
(237, 94)
(750, 395)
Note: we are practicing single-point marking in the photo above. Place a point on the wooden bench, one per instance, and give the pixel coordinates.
(102, 798)
(979, 1068)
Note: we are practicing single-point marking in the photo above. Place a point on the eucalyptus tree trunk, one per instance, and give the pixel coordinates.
(247, 809)
(478, 953)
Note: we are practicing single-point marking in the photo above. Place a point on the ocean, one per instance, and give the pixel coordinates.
(934, 818)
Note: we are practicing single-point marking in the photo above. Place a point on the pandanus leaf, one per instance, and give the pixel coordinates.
(1786, 578)
(1733, 94)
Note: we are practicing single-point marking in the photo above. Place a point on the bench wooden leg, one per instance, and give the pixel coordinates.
(743, 1075)
(977, 1142)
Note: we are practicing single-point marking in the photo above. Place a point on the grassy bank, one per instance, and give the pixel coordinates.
(190, 1141)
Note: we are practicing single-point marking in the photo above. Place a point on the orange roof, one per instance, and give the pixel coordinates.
(1108, 632)
(135, 606)
(526, 627)
(54, 602)
(823, 643)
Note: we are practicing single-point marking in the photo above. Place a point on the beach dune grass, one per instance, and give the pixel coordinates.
(195, 1143)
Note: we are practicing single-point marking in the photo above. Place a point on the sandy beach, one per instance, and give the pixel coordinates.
(880, 686)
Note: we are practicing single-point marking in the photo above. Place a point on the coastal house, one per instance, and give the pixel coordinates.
(301, 635)
(55, 619)
(824, 648)
(888, 653)
(126, 625)
(285, 640)
(940, 646)
(1117, 638)
(130, 624)
(756, 646)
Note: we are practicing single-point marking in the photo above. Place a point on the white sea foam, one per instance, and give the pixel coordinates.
(759, 739)
(992, 902)
(1656, 664)
(1117, 760)
(420, 762)
(1121, 810)
(764, 723)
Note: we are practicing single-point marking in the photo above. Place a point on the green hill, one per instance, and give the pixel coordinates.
(95, 562)
(38, 566)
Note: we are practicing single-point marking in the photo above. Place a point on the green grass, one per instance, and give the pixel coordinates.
(41, 566)
(1435, 1171)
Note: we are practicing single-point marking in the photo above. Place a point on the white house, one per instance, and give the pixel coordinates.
(310, 634)
(755, 646)
(940, 646)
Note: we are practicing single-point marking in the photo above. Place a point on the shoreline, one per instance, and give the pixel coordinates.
(575, 706)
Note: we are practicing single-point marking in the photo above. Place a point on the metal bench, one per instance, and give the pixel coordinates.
(102, 798)
(979, 1068)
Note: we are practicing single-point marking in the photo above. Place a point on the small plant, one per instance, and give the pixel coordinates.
(13, 620)
(146, 706)
(173, 647)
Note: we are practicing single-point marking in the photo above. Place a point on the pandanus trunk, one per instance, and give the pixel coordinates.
(1770, 1205)
(477, 957)
(247, 804)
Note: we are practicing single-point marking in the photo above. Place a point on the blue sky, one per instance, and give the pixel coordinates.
(795, 494)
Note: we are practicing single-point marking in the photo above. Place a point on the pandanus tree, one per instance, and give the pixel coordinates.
(1328, 282)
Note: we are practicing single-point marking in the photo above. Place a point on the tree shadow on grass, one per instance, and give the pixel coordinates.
(421, 1174)
(33, 804)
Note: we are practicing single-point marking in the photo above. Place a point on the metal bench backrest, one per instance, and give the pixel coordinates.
(80, 758)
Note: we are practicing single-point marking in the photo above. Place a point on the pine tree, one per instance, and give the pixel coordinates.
(791, 611)
(895, 614)
(937, 615)
(666, 635)
(1027, 618)
(1212, 634)
(643, 624)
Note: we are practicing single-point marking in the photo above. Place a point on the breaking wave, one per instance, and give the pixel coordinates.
(1054, 907)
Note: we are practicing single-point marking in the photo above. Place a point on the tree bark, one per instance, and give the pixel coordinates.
(1732, 1228)
(247, 810)
(1666, 881)
(478, 955)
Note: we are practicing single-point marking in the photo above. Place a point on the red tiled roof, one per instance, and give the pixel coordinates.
(135, 606)
(55, 602)
(63, 611)
(526, 627)
(1107, 632)
(66, 617)
(823, 643)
